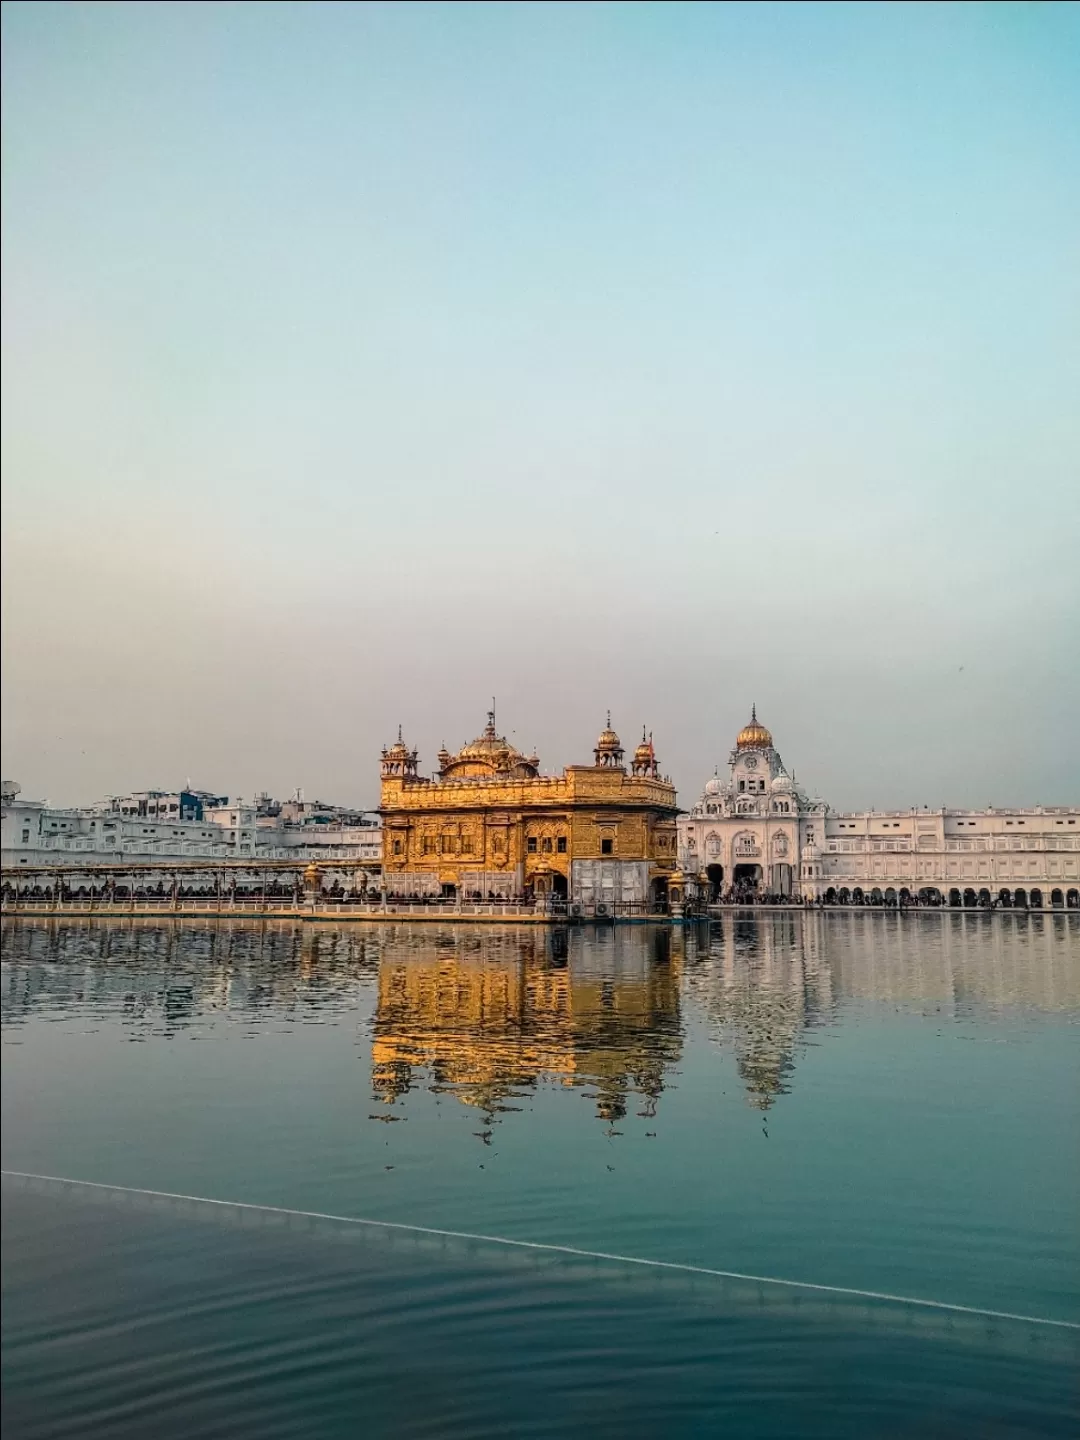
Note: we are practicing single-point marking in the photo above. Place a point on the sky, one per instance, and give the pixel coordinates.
(364, 362)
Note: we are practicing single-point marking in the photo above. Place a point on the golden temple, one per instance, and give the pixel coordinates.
(490, 825)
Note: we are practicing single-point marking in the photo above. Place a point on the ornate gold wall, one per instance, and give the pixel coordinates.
(489, 821)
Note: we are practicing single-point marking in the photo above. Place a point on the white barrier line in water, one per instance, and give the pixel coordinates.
(555, 1249)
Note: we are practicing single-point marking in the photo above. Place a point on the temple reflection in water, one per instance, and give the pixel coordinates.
(489, 1017)
(492, 1014)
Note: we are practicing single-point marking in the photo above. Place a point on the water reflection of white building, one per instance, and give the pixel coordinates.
(771, 982)
(758, 833)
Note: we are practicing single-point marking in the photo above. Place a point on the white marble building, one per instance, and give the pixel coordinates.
(34, 834)
(757, 833)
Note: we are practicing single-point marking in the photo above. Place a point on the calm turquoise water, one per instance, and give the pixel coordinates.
(872, 1101)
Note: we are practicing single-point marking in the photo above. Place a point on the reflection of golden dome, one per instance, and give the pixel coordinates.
(753, 736)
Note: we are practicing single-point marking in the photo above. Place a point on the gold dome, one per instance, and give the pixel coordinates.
(607, 740)
(488, 745)
(753, 736)
(644, 761)
(491, 754)
(398, 751)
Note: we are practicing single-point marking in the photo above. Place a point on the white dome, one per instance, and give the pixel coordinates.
(714, 786)
(782, 781)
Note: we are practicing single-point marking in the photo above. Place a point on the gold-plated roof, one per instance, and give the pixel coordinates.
(490, 751)
(487, 745)
(644, 754)
(754, 736)
(398, 751)
(607, 739)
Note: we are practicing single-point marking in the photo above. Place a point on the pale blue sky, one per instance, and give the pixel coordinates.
(363, 361)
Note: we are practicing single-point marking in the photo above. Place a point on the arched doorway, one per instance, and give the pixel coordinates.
(1036, 899)
(890, 896)
(970, 899)
(780, 881)
(660, 894)
(747, 881)
(954, 897)
(984, 899)
(1020, 899)
(1005, 899)
(844, 897)
(930, 895)
(905, 895)
(857, 896)
(715, 876)
(449, 892)
(560, 886)
(876, 897)
(830, 895)
(1057, 899)
(1072, 899)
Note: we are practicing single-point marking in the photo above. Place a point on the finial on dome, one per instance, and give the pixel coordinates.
(400, 741)
(609, 749)
(644, 761)
(754, 736)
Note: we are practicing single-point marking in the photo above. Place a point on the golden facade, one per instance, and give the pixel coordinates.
(490, 824)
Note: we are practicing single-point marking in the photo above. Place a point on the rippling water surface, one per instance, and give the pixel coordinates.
(865, 1102)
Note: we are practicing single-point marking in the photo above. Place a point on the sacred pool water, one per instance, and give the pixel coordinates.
(880, 1108)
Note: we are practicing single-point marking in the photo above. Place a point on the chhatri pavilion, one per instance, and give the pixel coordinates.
(489, 824)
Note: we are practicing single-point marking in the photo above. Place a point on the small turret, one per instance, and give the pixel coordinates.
(398, 760)
(609, 751)
(644, 761)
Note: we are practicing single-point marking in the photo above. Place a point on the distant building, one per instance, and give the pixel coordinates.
(757, 833)
(161, 804)
(490, 824)
(143, 826)
(298, 811)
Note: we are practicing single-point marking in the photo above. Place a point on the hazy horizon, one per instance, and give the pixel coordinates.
(361, 362)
